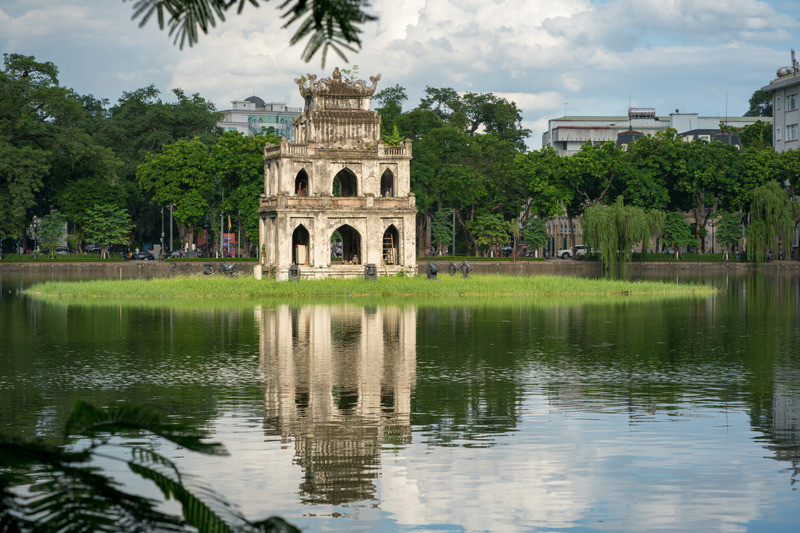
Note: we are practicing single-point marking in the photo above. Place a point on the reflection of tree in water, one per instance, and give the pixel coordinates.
(339, 385)
(472, 387)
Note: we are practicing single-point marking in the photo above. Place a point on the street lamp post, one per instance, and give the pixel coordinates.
(453, 253)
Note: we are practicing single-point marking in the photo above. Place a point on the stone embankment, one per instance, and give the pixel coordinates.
(159, 269)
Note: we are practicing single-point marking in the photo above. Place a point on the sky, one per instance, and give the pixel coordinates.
(574, 57)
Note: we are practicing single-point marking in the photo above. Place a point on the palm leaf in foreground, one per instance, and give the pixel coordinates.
(56, 488)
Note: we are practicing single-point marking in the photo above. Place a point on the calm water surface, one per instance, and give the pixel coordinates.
(677, 415)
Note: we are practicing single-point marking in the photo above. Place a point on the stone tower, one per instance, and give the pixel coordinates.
(337, 198)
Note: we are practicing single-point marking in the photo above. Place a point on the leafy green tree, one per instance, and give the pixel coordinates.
(771, 221)
(613, 230)
(710, 182)
(539, 172)
(535, 233)
(107, 224)
(760, 104)
(51, 231)
(417, 123)
(78, 196)
(677, 232)
(656, 162)
(180, 175)
(141, 124)
(70, 489)
(237, 161)
(442, 231)
(477, 112)
(390, 102)
(757, 135)
(35, 114)
(490, 231)
(328, 24)
(729, 230)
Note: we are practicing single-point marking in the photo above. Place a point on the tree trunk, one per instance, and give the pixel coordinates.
(185, 234)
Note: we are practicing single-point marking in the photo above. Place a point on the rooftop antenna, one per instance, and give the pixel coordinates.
(630, 120)
(795, 65)
(565, 109)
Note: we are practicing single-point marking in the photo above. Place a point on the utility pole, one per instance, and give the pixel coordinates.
(170, 228)
(221, 226)
(454, 233)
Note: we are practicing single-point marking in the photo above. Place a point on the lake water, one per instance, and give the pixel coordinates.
(539, 415)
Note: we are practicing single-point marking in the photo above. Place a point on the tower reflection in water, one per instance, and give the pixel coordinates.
(339, 381)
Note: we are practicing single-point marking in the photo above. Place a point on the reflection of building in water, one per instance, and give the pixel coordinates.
(338, 382)
(779, 420)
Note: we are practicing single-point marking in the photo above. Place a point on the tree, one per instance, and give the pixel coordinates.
(613, 230)
(181, 176)
(538, 172)
(70, 489)
(677, 232)
(535, 233)
(760, 104)
(489, 230)
(757, 135)
(329, 24)
(771, 221)
(477, 112)
(107, 224)
(237, 161)
(729, 230)
(140, 124)
(51, 231)
(442, 231)
(35, 113)
(391, 106)
(78, 196)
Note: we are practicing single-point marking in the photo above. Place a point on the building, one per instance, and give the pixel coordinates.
(785, 89)
(568, 134)
(252, 116)
(337, 199)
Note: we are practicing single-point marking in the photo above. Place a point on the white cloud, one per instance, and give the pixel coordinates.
(590, 55)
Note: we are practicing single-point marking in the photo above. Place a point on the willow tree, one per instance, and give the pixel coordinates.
(613, 230)
(771, 221)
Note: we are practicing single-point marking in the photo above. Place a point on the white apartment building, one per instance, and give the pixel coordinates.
(785, 90)
(252, 116)
(567, 134)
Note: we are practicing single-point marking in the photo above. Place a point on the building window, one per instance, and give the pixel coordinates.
(791, 132)
(777, 134)
(791, 102)
(778, 103)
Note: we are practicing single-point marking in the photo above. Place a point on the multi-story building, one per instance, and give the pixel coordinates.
(252, 116)
(337, 199)
(567, 134)
(785, 89)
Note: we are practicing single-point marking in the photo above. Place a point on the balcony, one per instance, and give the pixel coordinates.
(334, 203)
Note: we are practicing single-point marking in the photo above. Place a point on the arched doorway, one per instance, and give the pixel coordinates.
(301, 184)
(300, 246)
(345, 184)
(387, 183)
(346, 243)
(391, 246)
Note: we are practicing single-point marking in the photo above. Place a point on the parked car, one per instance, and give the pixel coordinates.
(141, 255)
(92, 248)
(566, 253)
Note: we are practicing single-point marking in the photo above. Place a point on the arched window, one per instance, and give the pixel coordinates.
(391, 246)
(387, 183)
(346, 244)
(345, 183)
(300, 246)
(301, 184)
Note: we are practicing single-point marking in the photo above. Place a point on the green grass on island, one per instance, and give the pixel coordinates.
(481, 285)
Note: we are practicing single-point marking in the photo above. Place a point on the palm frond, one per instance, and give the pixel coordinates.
(85, 419)
(333, 24)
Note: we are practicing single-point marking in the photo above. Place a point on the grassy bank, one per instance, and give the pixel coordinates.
(486, 285)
